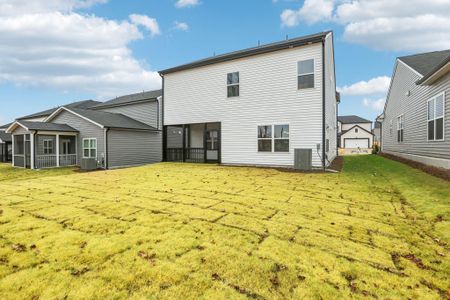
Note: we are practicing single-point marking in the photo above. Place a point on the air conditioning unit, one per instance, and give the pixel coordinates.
(303, 159)
(88, 164)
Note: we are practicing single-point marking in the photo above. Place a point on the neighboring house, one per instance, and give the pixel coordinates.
(122, 132)
(377, 133)
(355, 133)
(416, 122)
(42, 115)
(5, 145)
(254, 106)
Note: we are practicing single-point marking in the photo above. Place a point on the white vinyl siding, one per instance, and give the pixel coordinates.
(400, 128)
(270, 97)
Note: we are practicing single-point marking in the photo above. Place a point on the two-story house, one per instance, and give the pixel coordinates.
(254, 106)
(355, 134)
(415, 118)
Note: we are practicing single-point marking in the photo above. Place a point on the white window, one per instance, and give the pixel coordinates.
(48, 147)
(305, 74)
(273, 138)
(233, 84)
(90, 148)
(436, 108)
(400, 128)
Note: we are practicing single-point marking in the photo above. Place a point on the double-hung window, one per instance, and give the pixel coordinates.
(273, 138)
(436, 118)
(305, 76)
(48, 147)
(233, 84)
(90, 148)
(400, 128)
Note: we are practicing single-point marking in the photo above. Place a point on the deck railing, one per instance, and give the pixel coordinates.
(45, 161)
(66, 160)
(196, 155)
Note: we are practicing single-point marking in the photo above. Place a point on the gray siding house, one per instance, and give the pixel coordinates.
(415, 121)
(118, 133)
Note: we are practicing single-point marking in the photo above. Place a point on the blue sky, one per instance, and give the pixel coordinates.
(59, 51)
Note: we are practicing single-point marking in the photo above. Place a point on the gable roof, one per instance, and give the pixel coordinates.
(424, 63)
(123, 100)
(5, 137)
(439, 70)
(352, 119)
(343, 132)
(41, 126)
(290, 43)
(79, 104)
(105, 119)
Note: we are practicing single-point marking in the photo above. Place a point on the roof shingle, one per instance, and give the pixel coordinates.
(150, 95)
(79, 104)
(424, 63)
(352, 119)
(43, 126)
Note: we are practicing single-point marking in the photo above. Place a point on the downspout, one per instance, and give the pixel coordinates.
(164, 133)
(106, 148)
(323, 105)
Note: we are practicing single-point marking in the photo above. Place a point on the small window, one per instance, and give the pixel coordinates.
(356, 130)
(306, 74)
(48, 147)
(233, 84)
(90, 148)
(435, 108)
(273, 138)
(281, 138)
(400, 128)
(265, 138)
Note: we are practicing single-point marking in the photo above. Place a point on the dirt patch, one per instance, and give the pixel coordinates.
(337, 164)
(437, 172)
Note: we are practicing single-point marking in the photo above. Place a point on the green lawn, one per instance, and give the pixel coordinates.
(379, 229)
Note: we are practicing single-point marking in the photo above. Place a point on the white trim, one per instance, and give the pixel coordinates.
(13, 142)
(15, 124)
(49, 118)
(434, 119)
(32, 148)
(57, 151)
(437, 74)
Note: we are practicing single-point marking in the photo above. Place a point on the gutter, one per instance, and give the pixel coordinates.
(164, 137)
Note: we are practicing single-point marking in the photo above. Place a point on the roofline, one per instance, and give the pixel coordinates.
(135, 129)
(14, 124)
(49, 118)
(297, 42)
(358, 127)
(32, 116)
(357, 122)
(101, 106)
(409, 67)
(428, 78)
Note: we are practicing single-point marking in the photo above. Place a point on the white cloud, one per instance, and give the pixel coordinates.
(312, 11)
(375, 86)
(375, 105)
(18, 7)
(186, 3)
(397, 25)
(148, 23)
(181, 26)
(65, 50)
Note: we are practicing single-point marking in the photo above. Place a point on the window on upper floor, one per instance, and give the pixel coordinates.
(400, 128)
(305, 76)
(436, 108)
(233, 84)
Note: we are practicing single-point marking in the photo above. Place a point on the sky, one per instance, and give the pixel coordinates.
(53, 52)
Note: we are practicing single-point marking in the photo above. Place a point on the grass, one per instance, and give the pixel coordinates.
(379, 229)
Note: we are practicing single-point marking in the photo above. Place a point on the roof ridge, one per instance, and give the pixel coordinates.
(424, 53)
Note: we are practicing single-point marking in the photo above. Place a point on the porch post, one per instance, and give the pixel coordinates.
(13, 150)
(32, 151)
(184, 143)
(57, 150)
(205, 154)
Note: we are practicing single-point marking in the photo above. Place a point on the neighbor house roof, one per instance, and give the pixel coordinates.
(290, 43)
(343, 132)
(42, 126)
(424, 63)
(106, 119)
(352, 119)
(79, 104)
(5, 137)
(5, 126)
(144, 96)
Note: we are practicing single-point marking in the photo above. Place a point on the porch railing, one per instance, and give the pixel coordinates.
(196, 155)
(45, 161)
(67, 160)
